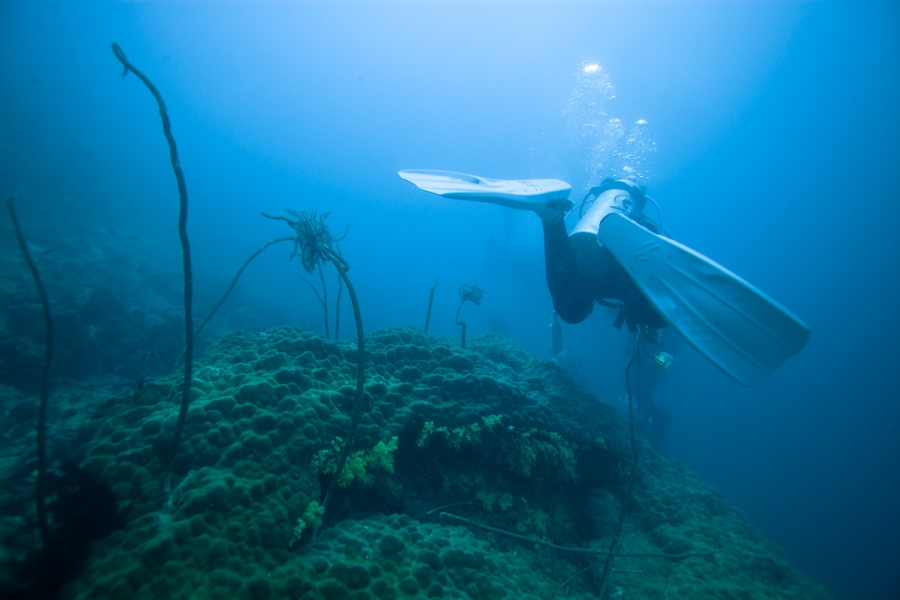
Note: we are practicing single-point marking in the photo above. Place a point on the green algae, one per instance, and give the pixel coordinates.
(361, 466)
(460, 426)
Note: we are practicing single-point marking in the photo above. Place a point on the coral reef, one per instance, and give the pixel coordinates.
(509, 440)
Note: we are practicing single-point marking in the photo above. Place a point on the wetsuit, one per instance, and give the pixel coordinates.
(574, 295)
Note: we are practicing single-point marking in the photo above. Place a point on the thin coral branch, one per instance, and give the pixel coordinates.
(237, 276)
(342, 268)
(324, 297)
(322, 301)
(337, 303)
(430, 302)
(40, 484)
(312, 287)
(186, 261)
(539, 542)
(234, 281)
(635, 358)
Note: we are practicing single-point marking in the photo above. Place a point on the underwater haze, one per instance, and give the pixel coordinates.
(766, 131)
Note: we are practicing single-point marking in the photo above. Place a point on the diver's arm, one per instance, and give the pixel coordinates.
(570, 299)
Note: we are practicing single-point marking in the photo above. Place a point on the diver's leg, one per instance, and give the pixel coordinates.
(570, 298)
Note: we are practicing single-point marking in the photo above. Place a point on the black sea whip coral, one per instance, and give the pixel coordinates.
(41, 436)
(186, 261)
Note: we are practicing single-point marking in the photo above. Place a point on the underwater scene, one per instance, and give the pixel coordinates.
(477, 300)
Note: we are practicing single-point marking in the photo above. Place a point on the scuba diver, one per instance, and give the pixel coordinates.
(619, 257)
(581, 272)
(651, 420)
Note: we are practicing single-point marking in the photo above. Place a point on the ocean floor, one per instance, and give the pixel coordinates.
(475, 473)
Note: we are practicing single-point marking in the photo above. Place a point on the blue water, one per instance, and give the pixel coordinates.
(771, 144)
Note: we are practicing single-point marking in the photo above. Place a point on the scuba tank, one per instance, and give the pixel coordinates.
(555, 334)
(621, 196)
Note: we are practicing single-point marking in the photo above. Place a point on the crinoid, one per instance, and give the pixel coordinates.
(313, 236)
(467, 293)
(470, 293)
(318, 246)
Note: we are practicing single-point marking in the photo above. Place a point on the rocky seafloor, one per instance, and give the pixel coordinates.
(488, 433)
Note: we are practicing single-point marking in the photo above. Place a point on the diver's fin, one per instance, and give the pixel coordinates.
(524, 194)
(737, 327)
